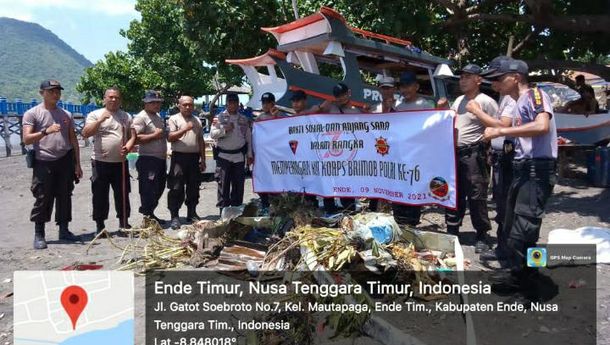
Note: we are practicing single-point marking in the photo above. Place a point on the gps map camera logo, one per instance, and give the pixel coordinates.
(536, 257)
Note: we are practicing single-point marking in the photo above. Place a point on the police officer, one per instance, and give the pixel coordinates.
(151, 164)
(233, 134)
(187, 163)
(269, 111)
(113, 139)
(299, 105)
(387, 89)
(341, 105)
(409, 86)
(472, 175)
(534, 167)
(501, 158)
(298, 101)
(56, 164)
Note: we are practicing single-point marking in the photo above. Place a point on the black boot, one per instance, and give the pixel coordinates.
(175, 223)
(39, 241)
(123, 224)
(65, 234)
(191, 215)
(99, 226)
(152, 216)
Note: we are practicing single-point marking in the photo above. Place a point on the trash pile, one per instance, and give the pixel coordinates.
(295, 237)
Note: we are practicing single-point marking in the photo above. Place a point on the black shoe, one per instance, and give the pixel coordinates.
(67, 235)
(509, 285)
(191, 215)
(99, 226)
(124, 226)
(39, 241)
(121, 233)
(500, 275)
(493, 255)
(193, 218)
(155, 218)
(175, 223)
(481, 246)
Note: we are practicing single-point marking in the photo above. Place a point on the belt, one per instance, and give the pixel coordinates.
(239, 150)
(537, 163)
(467, 149)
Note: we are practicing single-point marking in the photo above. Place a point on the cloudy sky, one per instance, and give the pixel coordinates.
(90, 27)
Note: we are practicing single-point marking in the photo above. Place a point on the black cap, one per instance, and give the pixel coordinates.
(510, 66)
(495, 64)
(472, 69)
(298, 95)
(152, 96)
(340, 89)
(267, 97)
(407, 78)
(50, 85)
(232, 97)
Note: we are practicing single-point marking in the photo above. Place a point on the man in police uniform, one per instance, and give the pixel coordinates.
(534, 167)
(233, 134)
(341, 105)
(187, 163)
(387, 89)
(472, 175)
(151, 164)
(501, 157)
(299, 105)
(56, 163)
(409, 86)
(269, 111)
(113, 140)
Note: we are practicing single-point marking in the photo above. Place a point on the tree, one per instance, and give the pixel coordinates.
(159, 56)
(225, 29)
(180, 46)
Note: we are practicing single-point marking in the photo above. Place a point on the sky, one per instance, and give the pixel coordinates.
(90, 27)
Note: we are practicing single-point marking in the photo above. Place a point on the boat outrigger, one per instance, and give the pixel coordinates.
(314, 53)
(314, 49)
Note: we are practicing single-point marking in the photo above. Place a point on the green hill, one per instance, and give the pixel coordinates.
(29, 54)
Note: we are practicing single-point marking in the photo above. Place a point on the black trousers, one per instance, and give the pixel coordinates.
(528, 194)
(103, 176)
(404, 214)
(501, 180)
(151, 182)
(183, 182)
(472, 180)
(231, 178)
(53, 181)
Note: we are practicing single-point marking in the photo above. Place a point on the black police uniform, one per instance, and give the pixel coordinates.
(534, 176)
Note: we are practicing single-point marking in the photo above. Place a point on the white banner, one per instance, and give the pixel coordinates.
(404, 157)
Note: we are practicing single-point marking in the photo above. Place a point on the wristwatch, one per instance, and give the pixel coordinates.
(44, 132)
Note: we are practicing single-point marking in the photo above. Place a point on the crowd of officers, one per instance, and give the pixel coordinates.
(517, 137)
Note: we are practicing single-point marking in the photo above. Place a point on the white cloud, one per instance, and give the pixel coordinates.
(12, 13)
(24, 9)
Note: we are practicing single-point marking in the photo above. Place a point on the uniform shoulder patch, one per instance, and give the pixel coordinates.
(536, 100)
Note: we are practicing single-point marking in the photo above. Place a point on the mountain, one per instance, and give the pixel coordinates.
(30, 54)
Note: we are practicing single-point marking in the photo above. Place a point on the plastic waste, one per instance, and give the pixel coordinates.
(252, 268)
(379, 226)
(231, 212)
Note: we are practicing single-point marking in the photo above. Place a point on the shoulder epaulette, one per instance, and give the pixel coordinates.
(536, 100)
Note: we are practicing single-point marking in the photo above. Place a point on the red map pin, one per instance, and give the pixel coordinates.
(74, 300)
